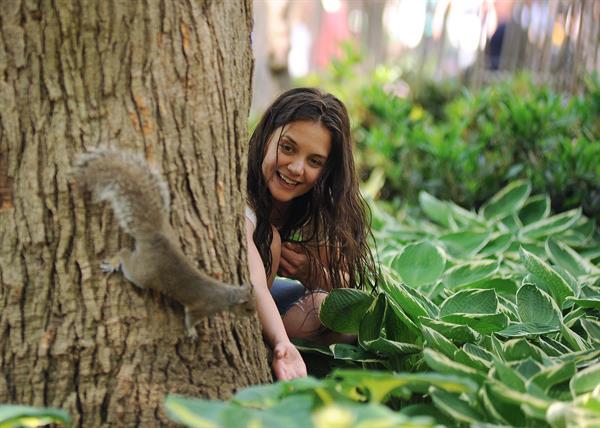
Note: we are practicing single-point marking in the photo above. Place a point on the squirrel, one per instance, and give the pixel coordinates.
(140, 200)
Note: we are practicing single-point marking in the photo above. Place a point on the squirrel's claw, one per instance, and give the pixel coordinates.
(110, 266)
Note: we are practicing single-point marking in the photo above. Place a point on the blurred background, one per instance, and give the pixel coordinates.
(453, 97)
(473, 39)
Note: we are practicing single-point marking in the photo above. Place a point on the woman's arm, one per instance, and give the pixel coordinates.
(288, 363)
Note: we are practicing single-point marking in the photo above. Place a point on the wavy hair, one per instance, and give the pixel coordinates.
(331, 217)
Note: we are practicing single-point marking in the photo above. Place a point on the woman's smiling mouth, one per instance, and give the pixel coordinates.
(287, 180)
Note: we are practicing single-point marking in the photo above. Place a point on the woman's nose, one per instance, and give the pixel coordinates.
(296, 166)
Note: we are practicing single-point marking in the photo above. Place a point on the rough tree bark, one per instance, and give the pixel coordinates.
(170, 79)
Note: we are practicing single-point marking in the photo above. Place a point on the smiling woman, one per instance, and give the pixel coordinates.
(296, 155)
(306, 220)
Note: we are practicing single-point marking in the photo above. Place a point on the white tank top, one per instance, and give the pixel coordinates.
(251, 215)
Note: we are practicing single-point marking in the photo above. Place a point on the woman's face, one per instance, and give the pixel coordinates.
(292, 167)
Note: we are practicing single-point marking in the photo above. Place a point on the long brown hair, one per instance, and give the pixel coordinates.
(333, 213)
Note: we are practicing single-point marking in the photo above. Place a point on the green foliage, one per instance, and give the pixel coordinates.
(481, 318)
(348, 398)
(465, 145)
(26, 416)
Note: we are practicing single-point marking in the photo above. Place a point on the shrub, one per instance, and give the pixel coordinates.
(466, 145)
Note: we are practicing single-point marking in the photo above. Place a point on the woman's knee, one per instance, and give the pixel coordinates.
(302, 320)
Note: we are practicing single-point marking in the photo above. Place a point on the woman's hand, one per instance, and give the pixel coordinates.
(287, 362)
(294, 262)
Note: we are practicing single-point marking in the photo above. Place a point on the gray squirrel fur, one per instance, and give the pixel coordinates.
(140, 200)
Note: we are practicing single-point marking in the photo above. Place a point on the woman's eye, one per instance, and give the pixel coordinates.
(316, 162)
(286, 148)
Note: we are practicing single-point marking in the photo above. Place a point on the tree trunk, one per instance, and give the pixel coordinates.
(170, 79)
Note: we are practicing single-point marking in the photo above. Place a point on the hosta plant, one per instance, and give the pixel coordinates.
(487, 318)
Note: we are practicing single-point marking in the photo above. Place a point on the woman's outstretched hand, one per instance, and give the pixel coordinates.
(294, 262)
(287, 362)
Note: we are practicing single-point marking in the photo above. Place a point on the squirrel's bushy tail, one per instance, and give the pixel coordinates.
(138, 194)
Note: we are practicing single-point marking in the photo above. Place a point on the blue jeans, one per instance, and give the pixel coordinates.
(286, 292)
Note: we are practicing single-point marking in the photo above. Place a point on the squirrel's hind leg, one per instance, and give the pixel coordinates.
(190, 324)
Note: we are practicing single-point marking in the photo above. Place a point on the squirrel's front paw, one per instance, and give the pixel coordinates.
(192, 333)
(110, 265)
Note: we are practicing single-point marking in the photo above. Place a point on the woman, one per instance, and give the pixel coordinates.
(306, 219)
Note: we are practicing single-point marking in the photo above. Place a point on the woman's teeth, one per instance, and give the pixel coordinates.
(287, 180)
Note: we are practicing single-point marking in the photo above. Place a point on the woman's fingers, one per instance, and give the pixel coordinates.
(293, 256)
(293, 246)
(285, 267)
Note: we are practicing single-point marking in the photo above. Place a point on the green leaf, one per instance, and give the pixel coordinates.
(558, 287)
(497, 245)
(482, 323)
(420, 264)
(427, 410)
(478, 352)
(381, 384)
(505, 286)
(588, 302)
(435, 209)
(507, 201)
(465, 219)
(462, 357)
(548, 344)
(346, 352)
(356, 415)
(440, 363)
(509, 376)
(406, 300)
(371, 325)
(464, 244)
(554, 375)
(15, 416)
(526, 329)
(585, 380)
(573, 316)
(535, 209)
(195, 412)
(563, 255)
(521, 349)
(470, 302)
(457, 333)
(592, 328)
(258, 396)
(311, 347)
(572, 339)
(438, 342)
(505, 413)
(537, 307)
(397, 318)
(468, 273)
(343, 309)
(456, 408)
(294, 411)
(551, 225)
(527, 368)
(519, 398)
(388, 347)
(512, 223)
